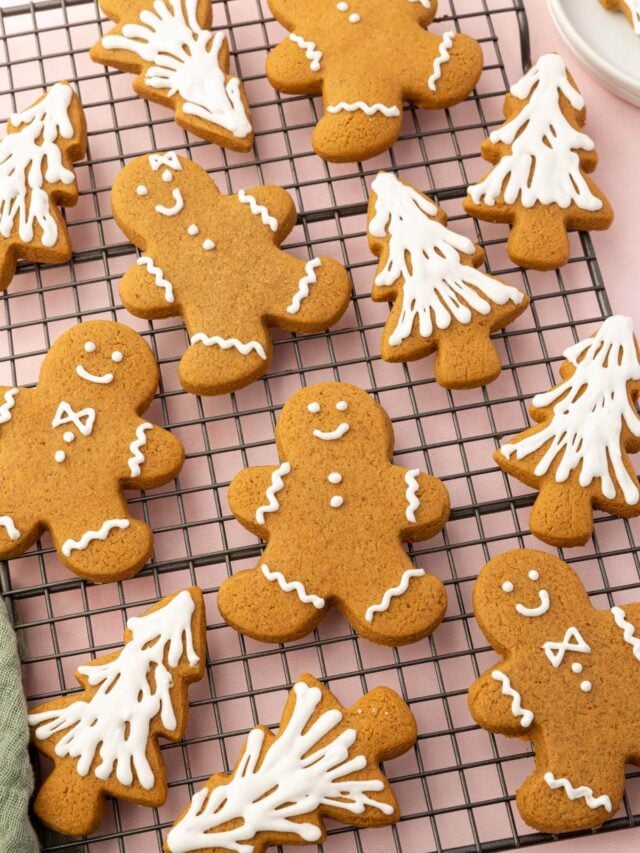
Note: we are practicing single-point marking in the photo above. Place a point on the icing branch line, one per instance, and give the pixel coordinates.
(293, 586)
(413, 487)
(443, 56)
(303, 285)
(516, 704)
(392, 593)
(91, 535)
(313, 55)
(229, 343)
(628, 630)
(581, 793)
(7, 406)
(137, 456)
(367, 109)
(277, 484)
(157, 273)
(12, 531)
(259, 210)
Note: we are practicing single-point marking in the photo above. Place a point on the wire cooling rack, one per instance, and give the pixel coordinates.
(456, 788)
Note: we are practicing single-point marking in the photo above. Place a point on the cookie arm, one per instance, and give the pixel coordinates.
(248, 493)
(295, 66)
(155, 457)
(147, 291)
(496, 704)
(426, 506)
(273, 205)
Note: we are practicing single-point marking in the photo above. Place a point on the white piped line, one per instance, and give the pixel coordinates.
(367, 109)
(293, 586)
(137, 456)
(581, 793)
(394, 592)
(92, 377)
(411, 479)
(313, 55)
(88, 537)
(309, 278)
(337, 433)
(628, 630)
(277, 484)
(443, 56)
(7, 522)
(9, 403)
(259, 210)
(157, 273)
(540, 610)
(175, 208)
(516, 705)
(229, 343)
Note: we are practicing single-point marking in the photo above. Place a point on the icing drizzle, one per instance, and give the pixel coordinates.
(83, 419)
(9, 525)
(229, 343)
(258, 210)
(313, 55)
(443, 57)
(581, 793)
(7, 406)
(392, 593)
(135, 449)
(277, 484)
(302, 293)
(158, 275)
(628, 630)
(90, 536)
(413, 487)
(293, 586)
(368, 109)
(516, 704)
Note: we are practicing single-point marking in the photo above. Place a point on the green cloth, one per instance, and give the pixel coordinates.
(16, 775)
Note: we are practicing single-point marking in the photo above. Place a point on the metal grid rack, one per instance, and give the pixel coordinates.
(456, 788)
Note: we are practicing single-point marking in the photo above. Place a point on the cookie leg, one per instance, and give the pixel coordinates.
(220, 363)
(270, 606)
(347, 133)
(17, 533)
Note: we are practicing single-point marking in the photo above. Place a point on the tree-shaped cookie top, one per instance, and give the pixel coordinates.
(539, 182)
(324, 762)
(588, 425)
(630, 8)
(180, 64)
(104, 740)
(441, 300)
(36, 175)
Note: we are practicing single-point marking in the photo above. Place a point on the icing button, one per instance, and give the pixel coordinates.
(336, 502)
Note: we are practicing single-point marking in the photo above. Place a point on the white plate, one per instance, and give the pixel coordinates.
(605, 42)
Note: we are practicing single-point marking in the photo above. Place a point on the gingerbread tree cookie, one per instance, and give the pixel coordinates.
(569, 683)
(69, 446)
(441, 301)
(324, 762)
(539, 183)
(180, 64)
(367, 57)
(630, 8)
(103, 741)
(577, 457)
(36, 175)
(216, 261)
(335, 513)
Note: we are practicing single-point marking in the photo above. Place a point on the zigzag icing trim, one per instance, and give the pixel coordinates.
(313, 55)
(628, 630)
(9, 403)
(157, 273)
(293, 586)
(229, 343)
(516, 705)
(137, 456)
(259, 210)
(443, 56)
(394, 592)
(277, 484)
(91, 535)
(309, 278)
(411, 479)
(581, 793)
(12, 531)
(367, 109)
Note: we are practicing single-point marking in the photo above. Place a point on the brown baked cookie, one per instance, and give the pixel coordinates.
(36, 176)
(335, 514)
(69, 446)
(630, 8)
(366, 57)
(539, 183)
(104, 740)
(441, 301)
(180, 64)
(324, 763)
(577, 455)
(569, 683)
(216, 261)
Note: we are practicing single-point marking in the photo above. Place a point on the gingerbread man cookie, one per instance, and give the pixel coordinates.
(366, 57)
(216, 261)
(69, 446)
(335, 513)
(569, 683)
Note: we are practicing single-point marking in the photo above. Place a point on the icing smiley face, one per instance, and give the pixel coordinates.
(544, 601)
(331, 435)
(98, 379)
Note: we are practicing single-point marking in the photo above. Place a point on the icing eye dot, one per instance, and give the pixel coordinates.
(116, 356)
(577, 668)
(533, 575)
(354, 19)
(167, 177)
(586, 686)
(507, 586)
(336, 502)
(314, 408)
(342, 406)
(59, 455)
(68, 437)
(334, 478)
(208, 245)
(142, 190)
(192, 230)
(89, 346)
(342, 7)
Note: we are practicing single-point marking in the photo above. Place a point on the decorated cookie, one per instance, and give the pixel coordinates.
(324, 763)
(69, 446)
(630, 8)
(366, 57)
(180, 64)
(216, 261)
(577, 455)
(441, 300)
(36, 176)
(335, 513)
(539, 182)
(569, 683)
(103, 741)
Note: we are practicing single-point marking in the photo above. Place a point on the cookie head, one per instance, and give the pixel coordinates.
(102, 360)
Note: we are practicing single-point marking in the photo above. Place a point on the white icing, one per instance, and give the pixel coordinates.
(83, 373)
(516, 704)
(411, 494)
(229, 343)
(176, 207)
(427, 257)
(158, 275)
(543, 165)
(342, 7)
(293, 586)
(540, 610)
(392, 593)
(314, 408)
(533, 575)
(141, 190)
(577, 668)
(135, 449)
(116, 356)
(68, 436)
(444, 55)
(590, 409)
(337, 433)
(193, 230)
(302, 293)
(115, 723)
(90, 536)
(507, 586)
(83, 420)
(342, 406)
(59, 456)
(258, 210)
(12, 531)
(572, 642)
(628, 630)
(586, 686)
(169, 158)
(89, 346)
(354, 18)
(23, 155)
(425, 3)
(277, 485)
(7, 406)
(368, 109)
(184, 60)
(581, 793)
(634, 7)
(272, 786)
(334, 478)
(336, 502)
(311, 52)
(208, 244)
(167, 176)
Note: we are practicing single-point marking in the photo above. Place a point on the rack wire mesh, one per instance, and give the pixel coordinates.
(456, 788)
